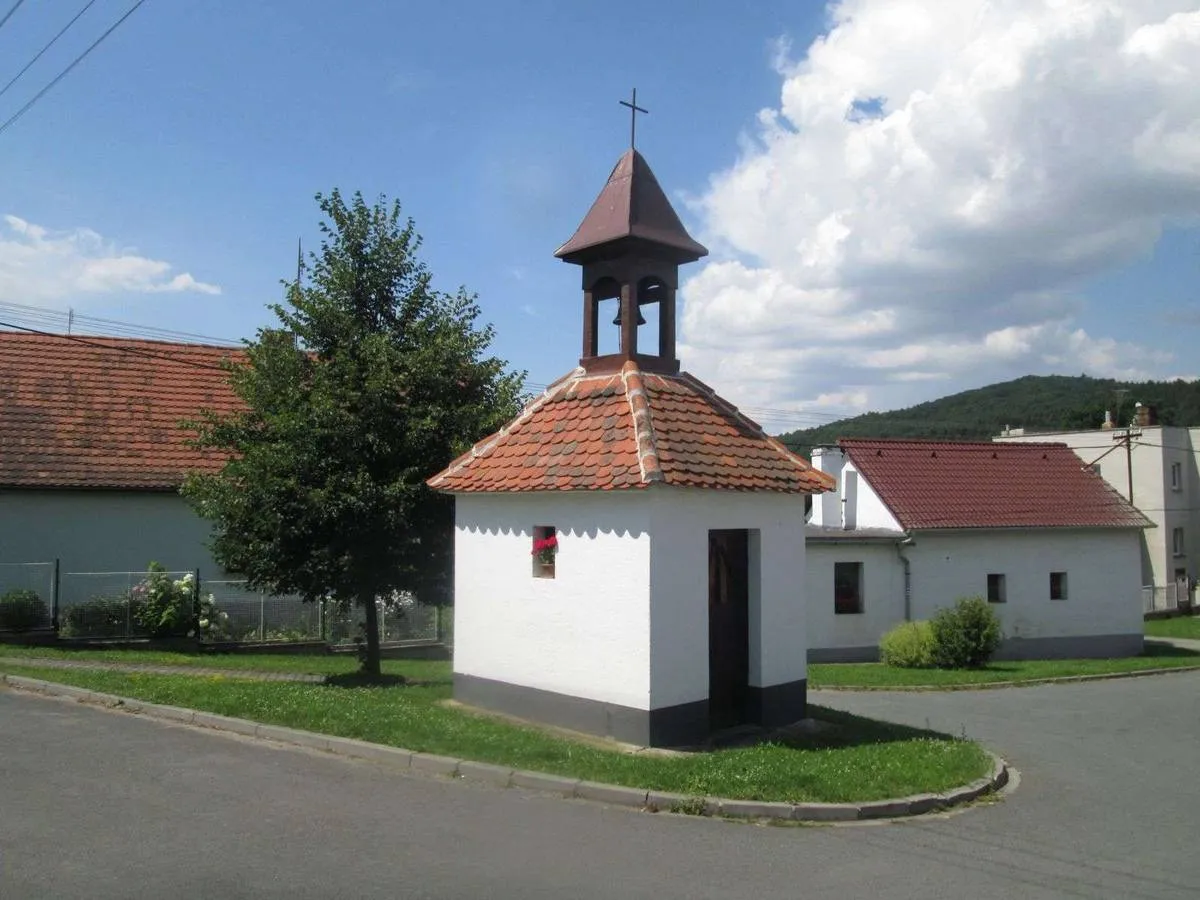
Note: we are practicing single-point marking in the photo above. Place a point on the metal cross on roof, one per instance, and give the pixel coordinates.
(634, 109)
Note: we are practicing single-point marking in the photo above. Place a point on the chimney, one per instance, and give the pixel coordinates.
(826, 510)
(1145, 416)
(1109, 424)
(849, 500)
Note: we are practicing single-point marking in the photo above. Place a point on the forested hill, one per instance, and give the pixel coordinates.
(1035, 401)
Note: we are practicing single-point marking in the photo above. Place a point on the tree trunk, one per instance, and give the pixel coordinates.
(370, 662)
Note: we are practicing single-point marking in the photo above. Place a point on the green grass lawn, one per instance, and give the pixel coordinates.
(860, 760)
(314, 664)
(1181, 627)
(878, 675)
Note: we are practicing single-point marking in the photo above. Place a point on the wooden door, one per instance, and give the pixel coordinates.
(728, 626)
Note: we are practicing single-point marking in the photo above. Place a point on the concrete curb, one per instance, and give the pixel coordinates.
(544, 782)
(998, 685)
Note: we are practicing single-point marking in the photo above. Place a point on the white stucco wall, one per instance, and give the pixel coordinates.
(585, 632)
(1103, 582)
(680, 521)
(883, 593)
(1103, 578)
(625, 620)
(104, 531)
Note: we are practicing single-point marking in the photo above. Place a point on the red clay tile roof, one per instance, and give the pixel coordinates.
(940, 484)
(629, 430)
(105, 413)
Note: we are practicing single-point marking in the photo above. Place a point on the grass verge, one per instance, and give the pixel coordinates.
(878, 675)
(858, 761)
(1180, 627)
(323, 664)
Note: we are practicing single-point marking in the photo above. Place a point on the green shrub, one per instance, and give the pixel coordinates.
(162, 607)
(97, 617)
(908, 646)
(22, 610)
(965, 635)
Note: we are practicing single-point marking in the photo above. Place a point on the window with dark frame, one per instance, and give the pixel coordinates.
(847, 588)
(1178, 544)
(545, 549)
(1177, 476)
(996, 588)
(1058, 585)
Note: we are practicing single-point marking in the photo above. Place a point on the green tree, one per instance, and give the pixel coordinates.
(373, 382)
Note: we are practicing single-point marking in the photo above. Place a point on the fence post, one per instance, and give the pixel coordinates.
(322, 629)
(54, 597)
(262, 615)
(196, 604)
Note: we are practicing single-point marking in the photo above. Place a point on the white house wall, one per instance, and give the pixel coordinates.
(883, 597)
(563, 634)
(680, 520)
(104, 531)
(1102, 614)
(854, 504)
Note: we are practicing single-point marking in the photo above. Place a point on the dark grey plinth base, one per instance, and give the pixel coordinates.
(779, 704)
(1094, 646)
(671, 726)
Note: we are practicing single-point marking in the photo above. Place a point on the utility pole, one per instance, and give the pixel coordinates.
(1127, 439)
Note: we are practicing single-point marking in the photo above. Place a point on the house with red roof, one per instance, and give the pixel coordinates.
(916, 524)
(92, 454)
(629, 551)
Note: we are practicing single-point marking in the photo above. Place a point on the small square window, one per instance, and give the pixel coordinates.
(545, 550)
(1177, 476)
(847, 588)
(996, 589)
(1178, 545)
(1058, 585)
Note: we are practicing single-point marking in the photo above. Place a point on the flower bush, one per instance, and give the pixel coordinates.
(162, 607)
(908, 646)
(545, 548)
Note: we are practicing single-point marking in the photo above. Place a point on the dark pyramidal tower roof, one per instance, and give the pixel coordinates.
(631, 206)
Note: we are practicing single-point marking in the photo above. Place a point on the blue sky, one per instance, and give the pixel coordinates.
(182, 156)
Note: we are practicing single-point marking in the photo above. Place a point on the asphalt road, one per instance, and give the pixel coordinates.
(96, 804)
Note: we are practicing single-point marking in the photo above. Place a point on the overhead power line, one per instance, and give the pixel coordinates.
(115, 348)
(8, 15)
(55, 320)
(48, 45)
(65, 72)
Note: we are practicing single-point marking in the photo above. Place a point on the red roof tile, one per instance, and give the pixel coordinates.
(940, 484)
(105, 413)
(629, 430)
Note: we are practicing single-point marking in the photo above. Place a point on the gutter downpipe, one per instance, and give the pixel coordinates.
(904, 561)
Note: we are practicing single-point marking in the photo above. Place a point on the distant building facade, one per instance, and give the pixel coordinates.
(1165, 487)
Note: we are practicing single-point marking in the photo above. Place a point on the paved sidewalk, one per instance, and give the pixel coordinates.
(151, 669)
(1181, 643)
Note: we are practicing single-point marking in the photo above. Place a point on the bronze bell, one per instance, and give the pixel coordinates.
(617, 318)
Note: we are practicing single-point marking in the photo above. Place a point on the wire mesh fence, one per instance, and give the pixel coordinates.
(156, 604)
(26, 596)
(401, 619)
(124, 605)
(231, 612)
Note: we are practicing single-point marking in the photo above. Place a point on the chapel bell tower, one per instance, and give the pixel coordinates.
(630, 246)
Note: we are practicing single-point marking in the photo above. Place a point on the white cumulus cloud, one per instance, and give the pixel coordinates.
(40, 266)
(935, 184)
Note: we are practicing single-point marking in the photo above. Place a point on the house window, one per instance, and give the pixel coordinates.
(996, 589)
(847, 588)
(1178, 548)
(545, 549)
(1058, 585)
(1177, 476)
